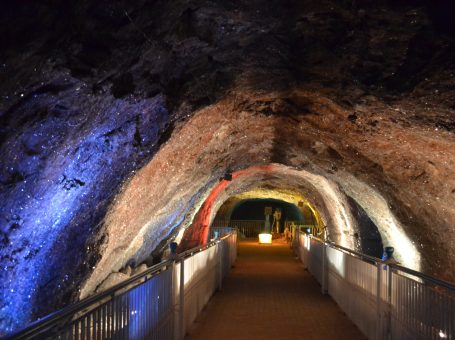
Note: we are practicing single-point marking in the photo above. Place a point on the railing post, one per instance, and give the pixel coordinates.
(220, 264)
(303, 250)
(181, 327)
(176, 311)
(379, 324)
(296, 245)
(324, 269)
(389, 303)
(236, 248)
(306, 252)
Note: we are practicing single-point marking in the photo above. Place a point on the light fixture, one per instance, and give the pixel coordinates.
(265, 238)
(227, 176)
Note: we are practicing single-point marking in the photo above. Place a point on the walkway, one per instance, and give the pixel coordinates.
(268, 295)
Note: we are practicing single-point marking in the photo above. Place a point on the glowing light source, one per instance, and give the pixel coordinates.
(265, 238)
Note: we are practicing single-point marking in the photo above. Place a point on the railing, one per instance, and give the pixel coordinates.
(159, 303)
(252, 228)
(247, 228)
(218, 232)
(384, 301)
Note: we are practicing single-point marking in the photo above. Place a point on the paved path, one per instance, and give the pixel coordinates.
(268, 295)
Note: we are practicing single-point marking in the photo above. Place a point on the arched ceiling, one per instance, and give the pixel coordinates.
(166, 193)
(118, 120)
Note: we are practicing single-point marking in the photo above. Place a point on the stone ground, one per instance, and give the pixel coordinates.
(268, 295)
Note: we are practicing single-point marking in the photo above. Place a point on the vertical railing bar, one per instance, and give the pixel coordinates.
(378, 300)
(126, 314)
(98, 322)
(135, 312)
(103, 322)
(403, 300)
(111, 323)
(151, 310)
(83, 328)
(143, 310)
(126, 327)
(106, 318)
(90, 326)
(219, 248)
(412, 312)
(95, 324)
(72, 333)
(138, 308)
(146, 300)
(425, 300)
(132, 299)
(118, 317)
(409, 301)
(76, 330)
(181, 299)
(389, 302)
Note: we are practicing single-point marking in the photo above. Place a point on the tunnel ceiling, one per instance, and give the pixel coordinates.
(119, 121)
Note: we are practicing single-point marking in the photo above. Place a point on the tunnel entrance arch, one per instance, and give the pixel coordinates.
(253, 209)
(197, 204)
(248, 215)
(321, 201)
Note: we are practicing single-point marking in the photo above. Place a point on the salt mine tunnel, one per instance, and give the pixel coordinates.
(127, 125)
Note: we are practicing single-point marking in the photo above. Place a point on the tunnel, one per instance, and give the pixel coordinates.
(125, 126)
(254, 210)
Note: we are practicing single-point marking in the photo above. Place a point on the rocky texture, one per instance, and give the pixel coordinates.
(118, 119)
(112, 280)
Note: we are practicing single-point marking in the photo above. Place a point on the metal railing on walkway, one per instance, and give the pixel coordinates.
(384, 301)
(252, 228)
(160, 303)
(247, 228)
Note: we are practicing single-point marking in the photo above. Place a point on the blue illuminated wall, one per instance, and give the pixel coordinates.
(64, 153)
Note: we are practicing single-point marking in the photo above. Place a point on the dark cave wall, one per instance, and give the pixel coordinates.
(91, 90)
(368, 236)
(61, 166)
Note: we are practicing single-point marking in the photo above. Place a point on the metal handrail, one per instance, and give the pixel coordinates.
(395, 267)
(347, 250)
(63, 314)
(362, 256)
(446, 284)
(197, 249)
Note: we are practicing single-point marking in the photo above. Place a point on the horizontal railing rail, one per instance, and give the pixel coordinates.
(115, 312)
(247, 228)
(365, 257)
(422, 276)
(386, 301)
(198, 249)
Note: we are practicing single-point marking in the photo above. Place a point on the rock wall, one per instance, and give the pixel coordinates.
(118, 119)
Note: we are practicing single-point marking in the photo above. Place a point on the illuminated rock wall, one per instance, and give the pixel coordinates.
(62, 169)
(117, 121)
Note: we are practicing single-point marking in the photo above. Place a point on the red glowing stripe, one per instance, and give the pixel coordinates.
(198, 232)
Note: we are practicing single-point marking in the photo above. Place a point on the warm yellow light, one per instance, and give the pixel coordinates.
(265, 238)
